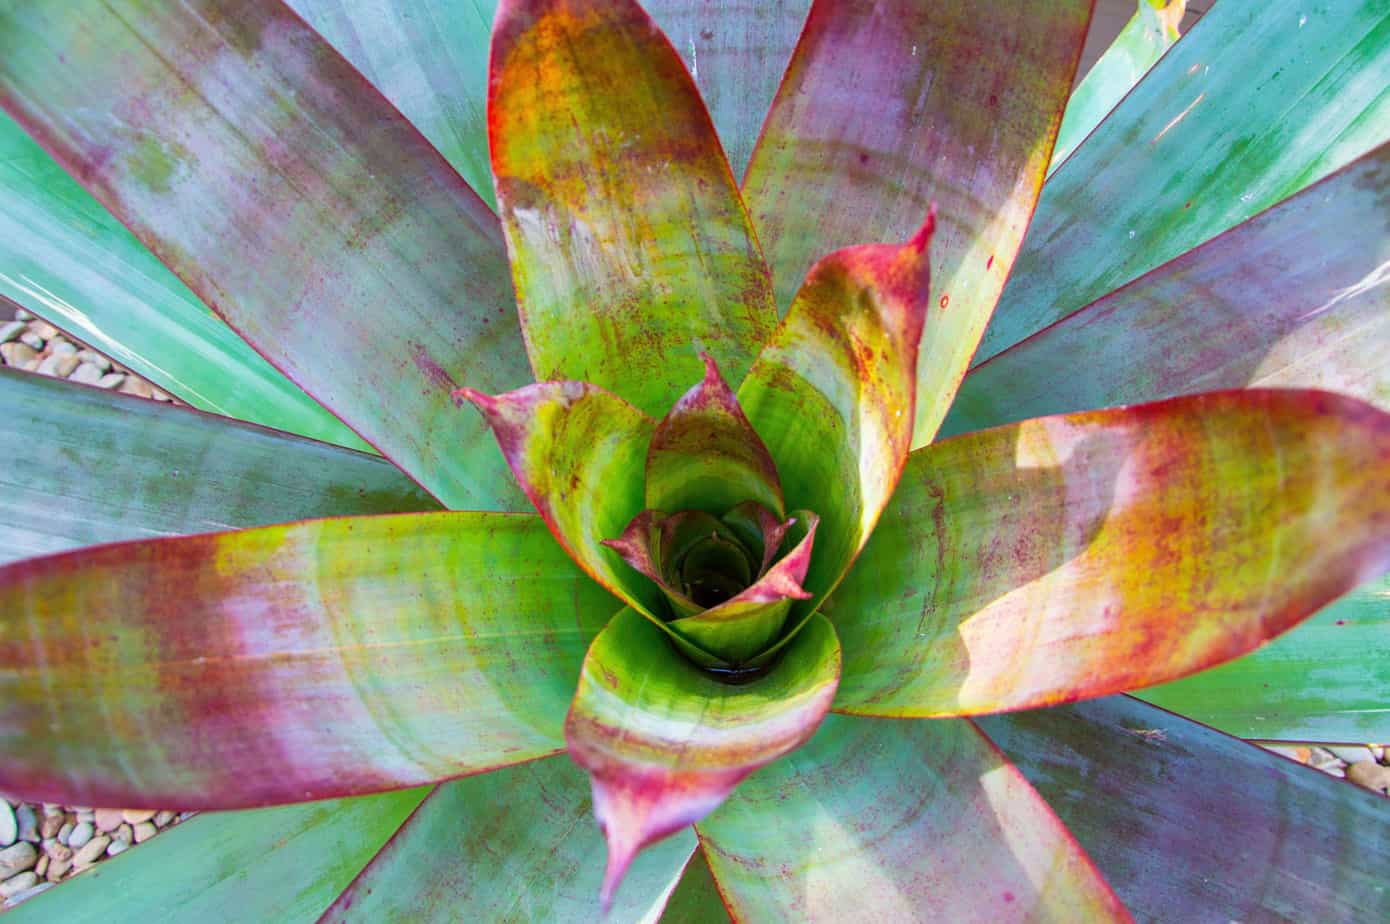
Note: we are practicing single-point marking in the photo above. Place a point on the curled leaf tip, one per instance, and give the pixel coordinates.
(484, 403)
(922, 237)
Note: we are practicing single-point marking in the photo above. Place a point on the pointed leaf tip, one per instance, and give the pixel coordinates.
(923, 236)
(486, 404)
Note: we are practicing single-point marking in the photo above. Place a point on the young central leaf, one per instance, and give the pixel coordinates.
(722, 557)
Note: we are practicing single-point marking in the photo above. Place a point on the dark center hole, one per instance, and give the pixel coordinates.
(714, 569)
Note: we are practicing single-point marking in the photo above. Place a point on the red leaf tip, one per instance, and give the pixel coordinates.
(484, 403)
(919, 241)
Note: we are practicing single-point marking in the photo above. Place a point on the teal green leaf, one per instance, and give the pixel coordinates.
(429, 60)
(511, 845)
(1182, 819)
(1257, 101)
(884, 820)
(66, 259)
(283, 864)
(1324, 681)
(1150, 32)
(665, 741)
(737, 53)
(264, 170)
(287, 663)
(87, 466)
(1289, 299)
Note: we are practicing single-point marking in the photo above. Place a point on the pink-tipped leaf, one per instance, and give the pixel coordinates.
(832, 393)
(665, 742)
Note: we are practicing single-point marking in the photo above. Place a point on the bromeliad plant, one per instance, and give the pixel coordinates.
(789, 575)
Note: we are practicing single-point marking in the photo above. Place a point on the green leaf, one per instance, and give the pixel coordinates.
(1150, 32)
(736, 53)
(429, 60)
(87, 466)
(288, 663)
(705, 455)
(66, 259)
(1298, 296)
(1074, 556)
(898, 821)
(511, 845)
(953, 102)
(1179, 817)
(832, 393)
(286, 192)
(283, 864)
(666, 741)
(1256, 102)
(696, 898)
(628, 239)
(577, 451)
(1323, 681)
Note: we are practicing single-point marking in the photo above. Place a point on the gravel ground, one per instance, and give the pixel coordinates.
(41, 844)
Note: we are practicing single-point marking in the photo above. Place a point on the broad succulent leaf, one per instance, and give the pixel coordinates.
(1324, 680)
(629, 242)
(1044, 562)
(665, 742)
(705, 455)
(85, 466)
(1288, 299)
(1150, 32)
(429, 61)
(290, 196)
(898, 821)
(955, 103)
(832, 392)
(513, 845)
(66, 259)
(291, 662)
(1219, 130)
(736, 53)
(1184, 820)
(285, 863)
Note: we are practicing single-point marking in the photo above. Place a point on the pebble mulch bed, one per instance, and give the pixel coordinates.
(42, 844)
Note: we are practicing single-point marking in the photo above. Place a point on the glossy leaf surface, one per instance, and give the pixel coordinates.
(85, 466)
(1074, 556)
(630, 246)
(512, 845)
(898, 821)
(665, 742)
(430, 61)
(66, 259)
(832, 392)
(286, 192)
(1219, 130)
(577, 451)
(273, 864)
(705, 455)
(1292, 298)
(736, 51)
(1178, 816)
(955, 103)
(289, 662)
(1149, 33)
